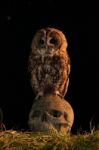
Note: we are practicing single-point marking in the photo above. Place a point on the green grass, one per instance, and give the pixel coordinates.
(17, 140)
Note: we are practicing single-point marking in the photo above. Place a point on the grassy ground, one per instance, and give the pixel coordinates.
(14, 140)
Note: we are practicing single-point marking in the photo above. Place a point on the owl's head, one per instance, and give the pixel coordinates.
(49, 41)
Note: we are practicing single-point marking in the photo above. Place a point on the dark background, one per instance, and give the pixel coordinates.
(18, 23)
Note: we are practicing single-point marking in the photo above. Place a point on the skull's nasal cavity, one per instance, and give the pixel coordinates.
(44, 117)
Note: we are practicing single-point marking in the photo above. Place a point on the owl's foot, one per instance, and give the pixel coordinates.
(40, 94)
(58, 93)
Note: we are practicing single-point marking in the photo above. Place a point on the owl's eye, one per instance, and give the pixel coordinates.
(53, 41)
(41, 41)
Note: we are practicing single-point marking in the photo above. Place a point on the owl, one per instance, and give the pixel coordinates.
(49, 63)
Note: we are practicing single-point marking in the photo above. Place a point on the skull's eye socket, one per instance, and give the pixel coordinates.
(55, 113)
(41, 41)
(53, 41)
(36, 114)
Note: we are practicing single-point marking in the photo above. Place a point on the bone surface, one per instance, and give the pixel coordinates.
(51, 113)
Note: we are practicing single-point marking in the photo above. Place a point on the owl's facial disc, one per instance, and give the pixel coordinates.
(54, 40)
(42, 40)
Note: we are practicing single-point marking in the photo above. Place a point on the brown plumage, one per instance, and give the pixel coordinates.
(49, 63)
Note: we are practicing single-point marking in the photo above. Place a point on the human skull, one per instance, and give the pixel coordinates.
(51, 113)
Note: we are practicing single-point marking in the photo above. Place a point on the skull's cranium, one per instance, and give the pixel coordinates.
(51, 113)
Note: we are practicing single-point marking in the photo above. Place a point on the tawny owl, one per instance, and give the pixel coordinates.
(49, 62)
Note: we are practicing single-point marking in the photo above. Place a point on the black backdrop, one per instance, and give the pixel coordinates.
(18, 23)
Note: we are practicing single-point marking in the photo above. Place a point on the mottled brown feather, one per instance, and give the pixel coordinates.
(49, 62)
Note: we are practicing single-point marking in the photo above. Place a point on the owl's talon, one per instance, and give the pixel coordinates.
(40, 94)
(59, 94)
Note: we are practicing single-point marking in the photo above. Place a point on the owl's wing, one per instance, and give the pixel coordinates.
(68, 68)
(67, 80)
(32, 62)
(65, 88)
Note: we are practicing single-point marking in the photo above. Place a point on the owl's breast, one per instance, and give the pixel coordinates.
(48, 64)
